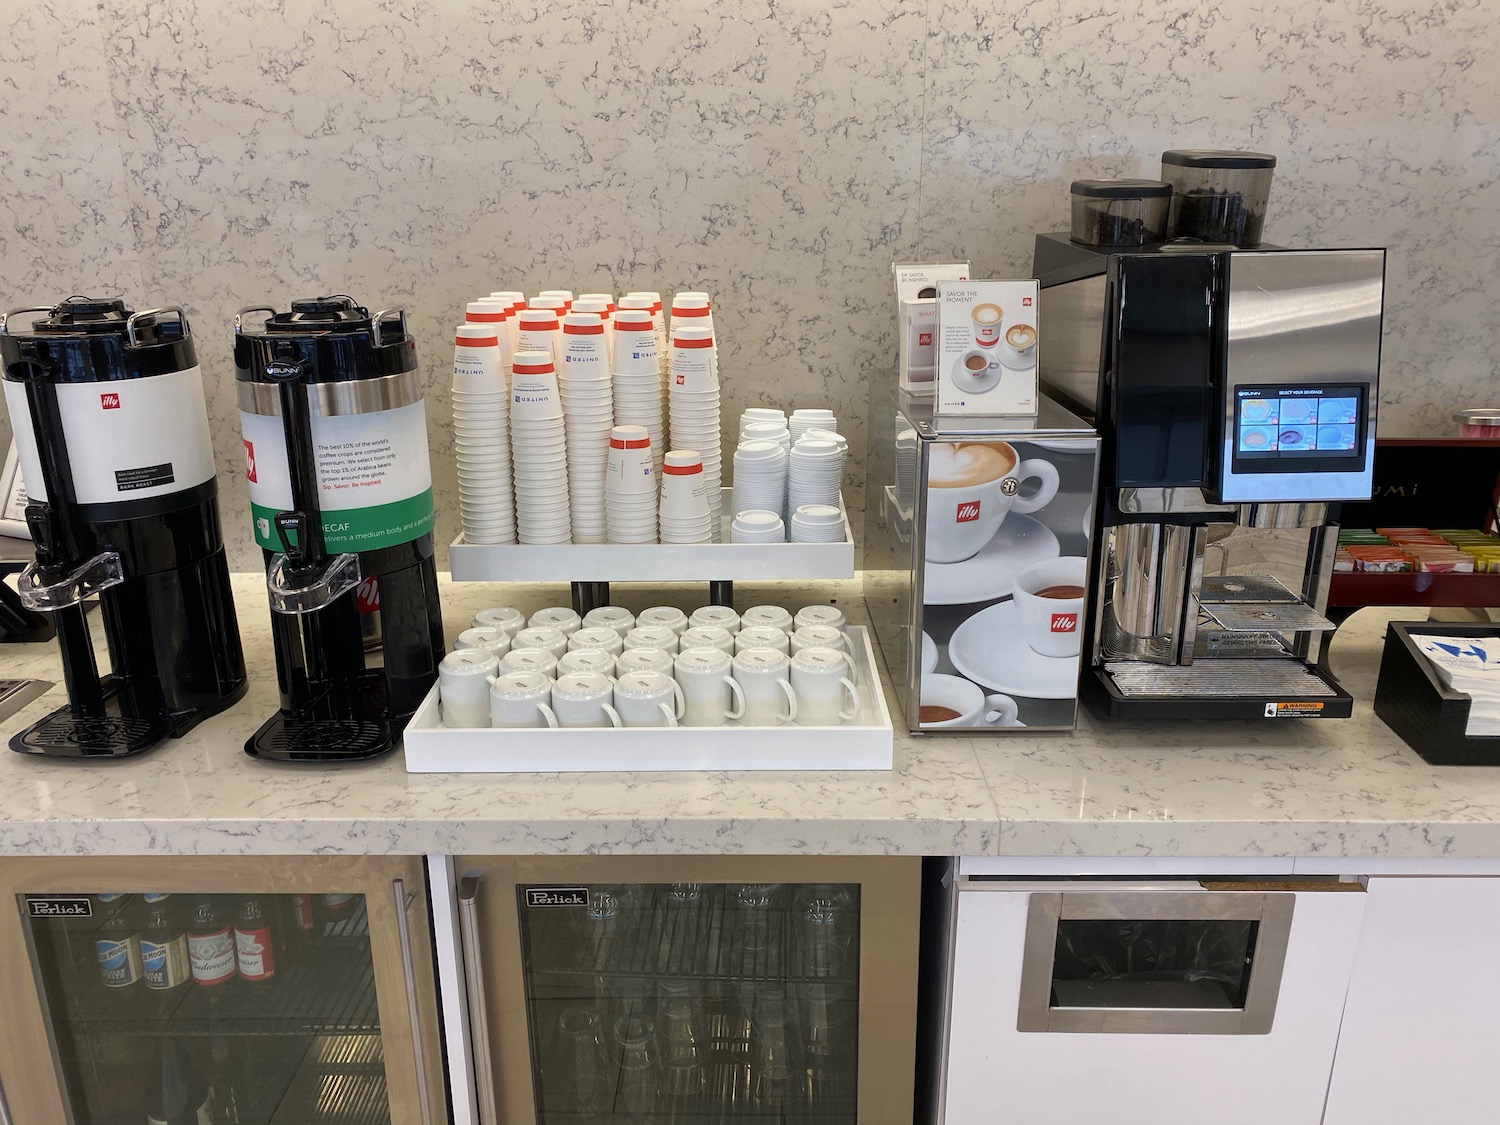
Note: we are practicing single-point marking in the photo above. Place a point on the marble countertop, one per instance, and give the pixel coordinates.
(1323, 788)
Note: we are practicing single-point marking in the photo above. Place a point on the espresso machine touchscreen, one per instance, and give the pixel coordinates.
(1235, 395)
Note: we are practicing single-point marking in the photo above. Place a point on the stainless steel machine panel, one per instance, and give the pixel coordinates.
(1300, 323)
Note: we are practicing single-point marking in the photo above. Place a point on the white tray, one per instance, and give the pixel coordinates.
(865, 744)
(653, 562)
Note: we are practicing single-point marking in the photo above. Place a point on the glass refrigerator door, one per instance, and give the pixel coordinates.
(179, 1007)
(689, 1002)
(625, 997)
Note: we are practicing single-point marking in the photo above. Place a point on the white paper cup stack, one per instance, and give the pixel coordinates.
(630, 487)
(588, 413)
(540, 330)
(539, 451)
(684, 515)
(753, 526)
(601, 305)
(481, 435)
(514, 301)
(559, 300)
(817, 523)
(692, 309)
(760, 469)
(817, 470)
(693, 394)
(808, 419)
(637, 378)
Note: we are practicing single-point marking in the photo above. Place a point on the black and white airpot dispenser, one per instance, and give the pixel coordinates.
(112, 432)
(341, 497)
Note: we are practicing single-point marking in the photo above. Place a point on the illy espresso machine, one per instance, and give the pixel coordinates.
(112, 432)
(341, 496)
(1235, 394)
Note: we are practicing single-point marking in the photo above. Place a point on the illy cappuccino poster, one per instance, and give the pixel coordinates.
(1004, 581)
(987, 347)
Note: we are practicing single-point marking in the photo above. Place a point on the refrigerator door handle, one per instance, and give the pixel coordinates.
(479, 1020)
(413, 1012)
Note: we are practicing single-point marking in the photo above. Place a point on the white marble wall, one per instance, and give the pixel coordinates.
(215, 153)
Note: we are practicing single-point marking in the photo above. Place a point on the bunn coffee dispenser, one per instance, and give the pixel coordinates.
(112, 432)
(341, 498)
(1235, 393)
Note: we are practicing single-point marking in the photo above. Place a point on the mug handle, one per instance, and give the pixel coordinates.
(547, 713)
(614, 716)
(679, 704)
(853, 700)
(666, 709)
(791, 702)
(1044, 471)
(737, 699)
(1000, 709)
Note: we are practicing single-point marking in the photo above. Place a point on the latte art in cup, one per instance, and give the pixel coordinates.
(966, 464)
(1020, 336)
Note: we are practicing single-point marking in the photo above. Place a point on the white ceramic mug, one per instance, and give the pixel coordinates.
(821, 680)
(761, 636)
(972, 487)
(586, 660)
(494, 641)
(966, 700)
(709, 691)
(830, 615)
(713, 636)
(651, 636)
(597, 636)
(529, 660)
(505, 617)
(644, 660)
(721, 615)
(615, 617)
(773, 616)
(520, 699)
(545, 637)
(668, 615)
(464, 677)
(582, 699)
(649, 699)
(1049, 599)
(818, 636)
(763, 676)
(557, 617)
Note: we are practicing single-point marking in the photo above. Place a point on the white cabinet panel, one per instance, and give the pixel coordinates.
(1422, 1023)
(997, 1075)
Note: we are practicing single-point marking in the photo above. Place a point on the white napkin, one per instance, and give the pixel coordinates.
(1470, 666)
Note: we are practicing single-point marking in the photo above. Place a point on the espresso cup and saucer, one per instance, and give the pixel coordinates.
(952, 701)
(1018, 347)
(977, 371)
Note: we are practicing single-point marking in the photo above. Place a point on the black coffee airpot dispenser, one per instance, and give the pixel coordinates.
(341, 498)
(111, 429)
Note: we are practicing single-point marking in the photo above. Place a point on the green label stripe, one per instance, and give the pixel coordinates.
(358, 529)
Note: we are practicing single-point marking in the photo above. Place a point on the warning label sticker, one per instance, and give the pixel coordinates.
(1294, 710)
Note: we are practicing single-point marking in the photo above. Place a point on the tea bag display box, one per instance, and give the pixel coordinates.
(987, 348)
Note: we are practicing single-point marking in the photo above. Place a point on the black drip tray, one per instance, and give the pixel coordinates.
(288, 739)
(65, 735)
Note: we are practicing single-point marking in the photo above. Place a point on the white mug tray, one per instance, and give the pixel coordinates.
(866, 743)
(648, 562)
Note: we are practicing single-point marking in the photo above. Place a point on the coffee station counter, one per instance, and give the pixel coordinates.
(1273, 789)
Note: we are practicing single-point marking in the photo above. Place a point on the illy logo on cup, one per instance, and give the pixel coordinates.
(250, 463)
(109, 402)
(1064, 622)
(968, 511)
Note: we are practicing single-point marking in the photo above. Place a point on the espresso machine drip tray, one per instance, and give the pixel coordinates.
(1257, 603)
(1220, 679)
